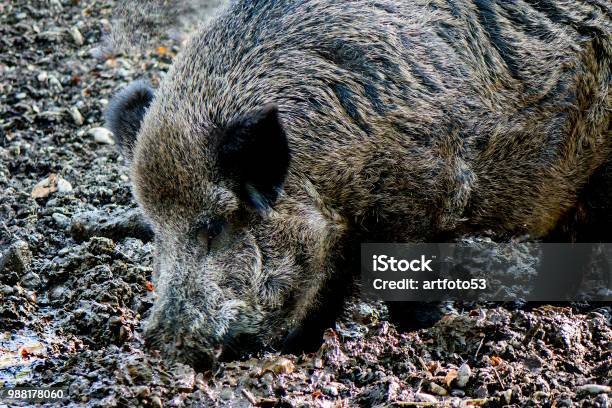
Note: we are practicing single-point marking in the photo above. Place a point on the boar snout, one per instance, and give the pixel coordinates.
(200, 328)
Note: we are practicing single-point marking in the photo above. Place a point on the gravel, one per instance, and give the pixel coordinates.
(76, 256)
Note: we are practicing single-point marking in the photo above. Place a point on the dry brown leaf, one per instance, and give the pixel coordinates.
(450, 376)
(279, 365)
(433, 366)
(495, 361)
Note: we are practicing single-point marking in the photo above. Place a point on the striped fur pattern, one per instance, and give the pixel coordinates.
(406, 121)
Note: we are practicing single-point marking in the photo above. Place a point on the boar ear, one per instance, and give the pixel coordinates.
(254, 153)
(125, 112)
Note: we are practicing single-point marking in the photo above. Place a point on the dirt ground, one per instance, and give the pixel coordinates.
(75, 270)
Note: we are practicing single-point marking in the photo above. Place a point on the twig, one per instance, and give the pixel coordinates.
(413, 404)
(479, 346)
(499, 378)
(249, 396)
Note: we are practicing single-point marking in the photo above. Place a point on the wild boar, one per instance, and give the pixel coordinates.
(286, 133)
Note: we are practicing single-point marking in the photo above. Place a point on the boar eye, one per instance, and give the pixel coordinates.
(207, 232)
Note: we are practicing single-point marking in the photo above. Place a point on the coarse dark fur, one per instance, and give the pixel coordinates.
(404, 121)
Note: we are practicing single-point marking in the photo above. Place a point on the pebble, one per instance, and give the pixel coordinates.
(330, 390)
(226, 394)
(463, 375)
(507, 396)
(483, 392)
(422, 397)
(63, 186)
(55, 83)
(76, 116)
(61, 220)
(156, 402)
(184, 378)
(437, 389)
(53, 183)
(142, 391)
(280, 365)
(31, 280)
(116, 225)
(21, 95)
(15, 149)
(593, 389)
(101, 135)
(16, 259)
(76, 35)
(59, 293)
(267, 378)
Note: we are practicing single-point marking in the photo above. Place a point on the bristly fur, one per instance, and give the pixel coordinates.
(125, 112)
(406, 121)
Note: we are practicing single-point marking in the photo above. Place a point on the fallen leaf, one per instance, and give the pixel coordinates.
(495, 361)
(450, 376)
(433, 366)
(279, 365)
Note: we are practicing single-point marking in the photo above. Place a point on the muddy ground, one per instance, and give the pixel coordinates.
(76, 267)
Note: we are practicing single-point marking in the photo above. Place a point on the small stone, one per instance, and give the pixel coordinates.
(61, 220)
(77, 118)
(53, 183)
(31, 280)
(156, 402)
(422, 397)
(101, 135)
(463, 375)
(280, 365)
(458, 393)
(21, 95)
(15, 149)
(42, 77)
(437, 389)
(267, 378)
(115, 225)
(507, 396)
(185, 378)
(483, 392)
(59, 293)
(55, 83)
(76, 35)
(142, 391)
(63, 186)
(593, 389)
(602, 399)
(226, 394)
(330, 390)
(21, 16)
(16, 259)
